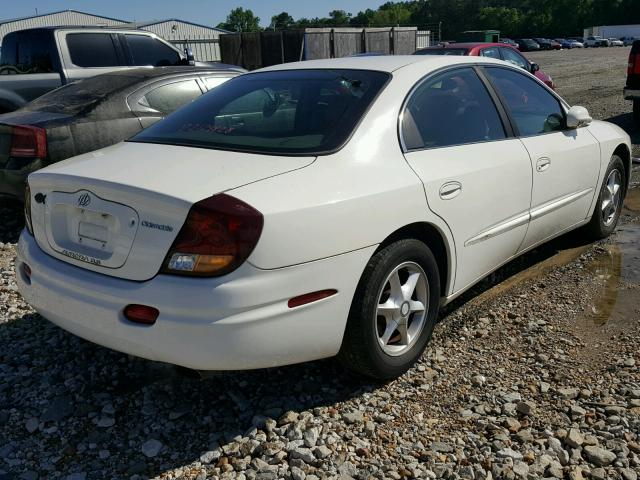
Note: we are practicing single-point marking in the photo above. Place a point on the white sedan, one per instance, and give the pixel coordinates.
(315, 209)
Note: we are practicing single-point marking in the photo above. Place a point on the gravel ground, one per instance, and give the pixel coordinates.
(533, 374)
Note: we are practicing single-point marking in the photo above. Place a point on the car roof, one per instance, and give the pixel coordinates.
(381, 63)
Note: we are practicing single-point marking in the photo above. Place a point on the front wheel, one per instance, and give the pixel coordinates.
(393, 312)
(609, 205)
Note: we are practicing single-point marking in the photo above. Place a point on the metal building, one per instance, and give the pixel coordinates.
(64, 17)
(204, 41)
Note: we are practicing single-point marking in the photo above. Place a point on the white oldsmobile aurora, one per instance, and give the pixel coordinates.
(315, 209)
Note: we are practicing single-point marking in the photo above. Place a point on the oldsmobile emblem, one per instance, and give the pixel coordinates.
(84, 200)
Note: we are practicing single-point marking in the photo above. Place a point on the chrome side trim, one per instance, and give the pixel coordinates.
(556, 204)
(500, 228)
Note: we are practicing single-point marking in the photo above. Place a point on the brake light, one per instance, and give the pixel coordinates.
(218, 236)
(28, 141)
(636, 64)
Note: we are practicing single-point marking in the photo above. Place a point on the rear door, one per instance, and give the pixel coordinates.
(565, 162)
(477, 177)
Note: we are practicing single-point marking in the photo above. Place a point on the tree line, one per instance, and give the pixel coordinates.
(515, 18)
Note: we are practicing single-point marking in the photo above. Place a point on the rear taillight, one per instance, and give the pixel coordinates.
(27, 210)
(28, 141)
(218, 236)
(634, 64)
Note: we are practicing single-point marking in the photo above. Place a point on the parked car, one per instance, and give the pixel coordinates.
(94, 113)
(527, 45)
(544, 43)
(510, 42)
(38, 60)
(632, 89)
(615, 42)
(596, 41)
(499, 51)
(627, 41)
(215, 239)
(564, 43)
(576, 43)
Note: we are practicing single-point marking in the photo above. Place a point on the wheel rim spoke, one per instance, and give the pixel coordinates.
(388, 332)
(611, 197)
(388, 309)
(396, 286)
(416, 306)
(404, 333)
(410, 285)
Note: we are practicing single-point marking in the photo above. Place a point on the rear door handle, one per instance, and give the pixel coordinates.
(450, 190)
(542, 164)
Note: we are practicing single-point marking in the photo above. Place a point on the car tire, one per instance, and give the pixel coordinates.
(371, 347)
(605, 215)
(636, 110)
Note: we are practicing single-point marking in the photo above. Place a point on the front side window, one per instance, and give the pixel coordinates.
(491, 52)
(27, 52)
(452, 108)
(514, 58)
(92, 50)
(533, 108)
(167, 98)
(148, 51)
(281, 112)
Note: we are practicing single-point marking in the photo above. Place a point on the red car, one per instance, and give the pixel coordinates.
(501, 51)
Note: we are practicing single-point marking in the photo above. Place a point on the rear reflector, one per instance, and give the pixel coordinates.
(28, 141)
(142, 314)
(310, 298)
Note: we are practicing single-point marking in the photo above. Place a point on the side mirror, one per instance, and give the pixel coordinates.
(534, 67)
(578, 117)
(190, 58)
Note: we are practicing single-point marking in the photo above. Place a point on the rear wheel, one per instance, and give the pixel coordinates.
(636, 110)
(393, 312)
(607, 212)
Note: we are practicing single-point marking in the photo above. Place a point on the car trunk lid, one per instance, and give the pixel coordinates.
(117, 211)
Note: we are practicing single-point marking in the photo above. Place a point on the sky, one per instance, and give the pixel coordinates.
(207, 12)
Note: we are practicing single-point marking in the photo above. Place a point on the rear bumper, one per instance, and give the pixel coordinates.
(631, 93)
(240, 321)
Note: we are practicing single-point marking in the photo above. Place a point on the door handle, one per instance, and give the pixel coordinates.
(450, 190)
(542, 164)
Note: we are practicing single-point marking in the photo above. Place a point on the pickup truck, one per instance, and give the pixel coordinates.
(35, 61)
(632, 90)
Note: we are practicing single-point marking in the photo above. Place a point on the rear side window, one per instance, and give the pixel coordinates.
(491, 52)
(453, 108)
(284, 112)
(533, 108)
(148, 51)
(27, 52)
(167, 98)
(92, 50)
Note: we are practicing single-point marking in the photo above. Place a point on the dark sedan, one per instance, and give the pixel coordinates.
(95, 113)
(527, 45)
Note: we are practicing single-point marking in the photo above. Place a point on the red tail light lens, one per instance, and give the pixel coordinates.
(636, 64)
(28, 141)
(142, 314)
(218, 236)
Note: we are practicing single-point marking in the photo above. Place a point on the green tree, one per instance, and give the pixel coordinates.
(282, 21)
(241, 20)
(507, 20)
(339, 18)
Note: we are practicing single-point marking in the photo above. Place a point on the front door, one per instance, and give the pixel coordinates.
(476, 178)
(565, 162)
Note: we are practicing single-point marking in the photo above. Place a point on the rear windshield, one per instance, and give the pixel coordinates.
(27, 52)
(83, 95)
(443, 51)
(284, 112)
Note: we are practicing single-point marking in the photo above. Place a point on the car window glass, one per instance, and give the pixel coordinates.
(533, 108)
(92, 50)
(167, 98)
(443, 51)
(513, 57)
(307, 111)
(213, 82)
(452, 108)
(148, 51)
(27, 52)
(490, 52)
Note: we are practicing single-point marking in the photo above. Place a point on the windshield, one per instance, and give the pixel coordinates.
(281, 112)
(443, 51)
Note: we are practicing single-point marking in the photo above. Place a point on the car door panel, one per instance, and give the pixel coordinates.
(566, 168)
(489, 215)
(476, 178)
